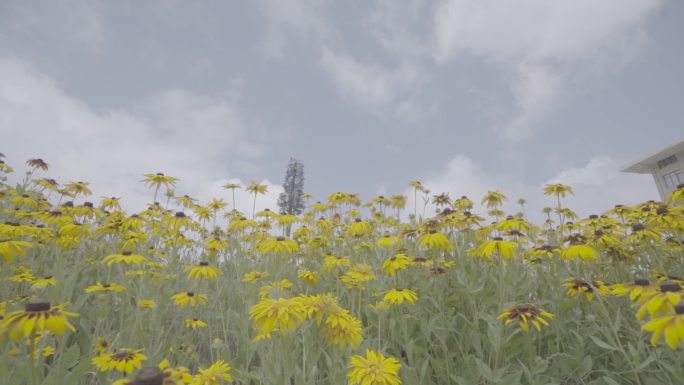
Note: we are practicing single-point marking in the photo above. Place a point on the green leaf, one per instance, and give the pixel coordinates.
(610, 381)
(602, 344)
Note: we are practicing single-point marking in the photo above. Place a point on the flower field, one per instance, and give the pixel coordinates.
(348, 292)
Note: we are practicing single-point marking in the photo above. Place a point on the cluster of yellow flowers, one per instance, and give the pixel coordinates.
(343, 252)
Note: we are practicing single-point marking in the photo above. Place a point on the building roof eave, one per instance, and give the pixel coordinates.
(643, 166)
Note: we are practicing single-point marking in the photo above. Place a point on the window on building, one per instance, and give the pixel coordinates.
(667, 161)
(672, 179)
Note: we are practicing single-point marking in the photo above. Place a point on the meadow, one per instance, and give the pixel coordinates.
(348, 292)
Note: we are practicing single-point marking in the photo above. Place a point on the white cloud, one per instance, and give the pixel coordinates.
(374, 87)
(541, 41)
(74, 24)
(598, 186)
(300, 18)
(198, 138)
(380, 89)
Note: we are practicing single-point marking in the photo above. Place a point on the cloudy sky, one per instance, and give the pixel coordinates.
(464, 95)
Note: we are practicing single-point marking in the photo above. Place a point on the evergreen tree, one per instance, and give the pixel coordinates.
(291, 200)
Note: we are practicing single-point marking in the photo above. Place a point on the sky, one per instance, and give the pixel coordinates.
(463, 95)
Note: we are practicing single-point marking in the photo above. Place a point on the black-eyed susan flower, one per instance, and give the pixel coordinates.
(194, 323)
(677, 195)
(105, 287)
(10, 249)
(277, 245)
(578, 249)
(577, 286)
(126, 257)
(40, 283)
(434, 240)
(495, 246)
(398, 296)
(526, 314)
(254, 276)
(102, 345)
(661, 301)
(341, 328)
(279, 314)
(123, 360)
(203, 270)
(193, 299)
(373, 369)
(308, 276)
(388, 240)
(332, 261)
(358, 274)
(215, 374)
(147, 304)
(398, 262)
(36, 317)
(275, 287)
(672, 326)
(635, 289)
(359, 228)
(493, 199)
(159, 179)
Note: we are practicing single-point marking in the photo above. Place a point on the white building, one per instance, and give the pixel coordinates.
(666, 166)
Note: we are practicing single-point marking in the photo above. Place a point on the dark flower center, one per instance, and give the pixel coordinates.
(670, 287)
(149, 376)
(38, 306)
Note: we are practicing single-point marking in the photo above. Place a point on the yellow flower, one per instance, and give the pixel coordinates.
(577, 286)
(126, 257)
(44, 282)
(37, 317)
(277, 245)
(254, 276)
(341, 328)
(670, 325)
(194, 323)
(398, 262)
(10, 249)
(635, 290)
(434, 240)
(332, 261)
(505, 249)
(278, 286)
(358, 274)
(379, 306)
(123, 360)
(147, 304)
(22, 274)
(278, 314)
(661, 301)
(159, 179)
(184, 299)
(582, 251)
(387, 240)
(213, 375)
(374, 369)
(110, 287)
(203, 270)
(358, 228)
(398, 296)
(102, 345)
(525, 314)
(558, 190)
(493, 199)
(308, 276)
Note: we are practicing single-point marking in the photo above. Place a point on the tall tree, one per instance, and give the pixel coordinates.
(291, 200)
